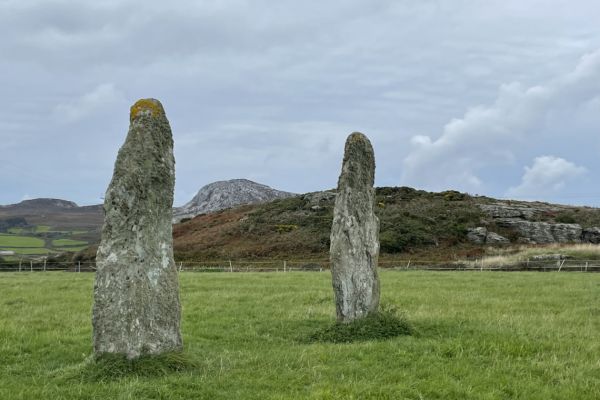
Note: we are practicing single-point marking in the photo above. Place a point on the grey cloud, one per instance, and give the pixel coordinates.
(270, 89)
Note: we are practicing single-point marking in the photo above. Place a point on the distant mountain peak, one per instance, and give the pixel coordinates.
(226, 194)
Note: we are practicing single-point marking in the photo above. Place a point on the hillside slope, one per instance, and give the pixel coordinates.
(434, 226)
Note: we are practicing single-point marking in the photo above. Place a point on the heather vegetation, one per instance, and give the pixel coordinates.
(410, 220)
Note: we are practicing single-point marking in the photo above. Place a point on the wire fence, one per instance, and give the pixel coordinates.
(561, 265)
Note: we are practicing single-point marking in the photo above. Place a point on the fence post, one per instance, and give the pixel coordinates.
(45, 264)
(284, 265)
(230, 266)
(586, 265)
(20, 261)
(30, 266)
(408, 265)
(79, 266)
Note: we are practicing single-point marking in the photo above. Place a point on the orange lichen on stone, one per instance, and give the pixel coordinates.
(146, 106)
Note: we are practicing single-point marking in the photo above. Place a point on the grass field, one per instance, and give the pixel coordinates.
(27, 250)
(70, 248)
(68, 242)
(20, 241)
(476, 336)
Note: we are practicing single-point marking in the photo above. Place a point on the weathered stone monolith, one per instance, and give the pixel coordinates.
(136, 292)
(354, 247)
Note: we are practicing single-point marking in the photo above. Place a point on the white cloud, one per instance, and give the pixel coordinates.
(492, 136)
(547, 176)
(101, 97)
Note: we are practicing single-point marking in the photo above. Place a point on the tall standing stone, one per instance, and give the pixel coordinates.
(354, 247)
(136, 292)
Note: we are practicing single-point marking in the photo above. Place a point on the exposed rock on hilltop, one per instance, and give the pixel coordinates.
(536, 223)
(226, 194)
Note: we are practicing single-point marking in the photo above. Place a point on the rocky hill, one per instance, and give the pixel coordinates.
(414, 224)
(55, 213)
(226, 194)
(433, 226)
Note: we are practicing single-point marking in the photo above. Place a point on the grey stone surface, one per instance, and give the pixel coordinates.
(507, 211)
(225, 194)
(481, 235)
(136, 291)
(547, 257)
(543, 232)
(494, 238)
(354, 247)
(591, 235)
(477, 235)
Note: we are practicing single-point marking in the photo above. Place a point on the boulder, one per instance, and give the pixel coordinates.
(354, 247)
(136, 291)
(543, 232)
(591, 235)
(477, 235)
(494, 238)
(508, 211)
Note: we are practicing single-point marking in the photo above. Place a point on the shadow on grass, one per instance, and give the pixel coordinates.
(385, 324)
(109, 367)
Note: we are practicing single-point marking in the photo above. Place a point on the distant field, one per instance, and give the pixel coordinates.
(478, 335)
(72, 248)
(68, 242)
(27, 250)
(20, 241)
(42, 228)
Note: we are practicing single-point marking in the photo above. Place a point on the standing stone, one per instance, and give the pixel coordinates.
(355, 234)
(136, 292)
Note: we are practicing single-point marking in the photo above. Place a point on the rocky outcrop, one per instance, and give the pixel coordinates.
(225, 194)
(591, 235)
(521, 218)
(481, 235)
(507, 211)
(477, 235)
(543, 232)
(136, 292)
(354, 246)
(494, 238)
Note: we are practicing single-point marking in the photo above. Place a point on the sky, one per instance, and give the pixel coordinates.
(497, 98)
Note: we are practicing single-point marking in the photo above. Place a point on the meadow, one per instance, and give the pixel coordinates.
(35, 241)
(475, 335)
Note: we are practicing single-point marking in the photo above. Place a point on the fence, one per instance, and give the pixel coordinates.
(563, 265)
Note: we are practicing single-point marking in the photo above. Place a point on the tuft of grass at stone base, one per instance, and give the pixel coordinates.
(385, 324)
(109, 367)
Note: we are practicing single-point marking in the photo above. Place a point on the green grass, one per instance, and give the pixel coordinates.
(71, 249)
(68, 243)
(474, 336)
(27, 250)
(16, 231)
(20, 241)
(42, 228)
